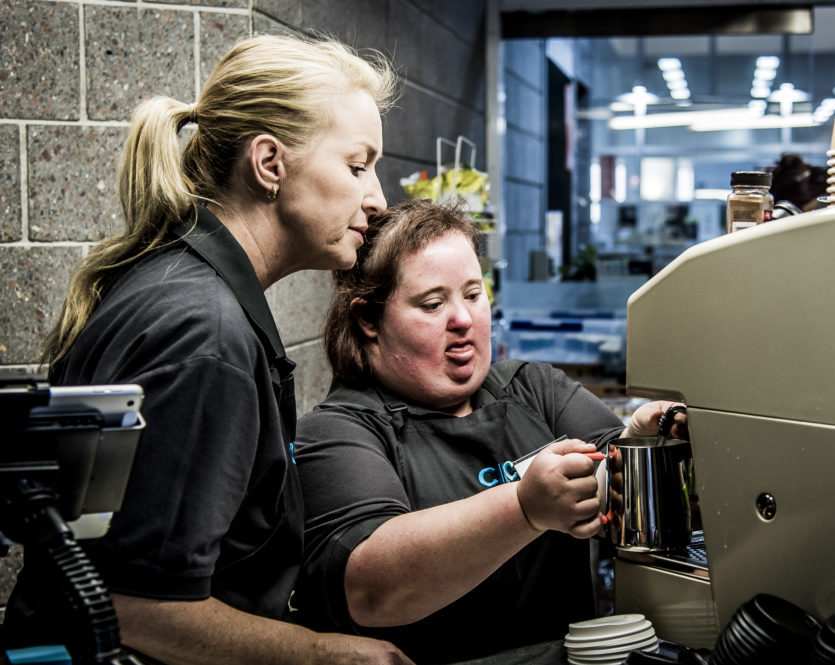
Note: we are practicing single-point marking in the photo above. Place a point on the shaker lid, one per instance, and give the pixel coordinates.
(751, 178)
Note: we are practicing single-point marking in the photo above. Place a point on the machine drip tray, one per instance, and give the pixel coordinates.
(689, 560)
(672, 589)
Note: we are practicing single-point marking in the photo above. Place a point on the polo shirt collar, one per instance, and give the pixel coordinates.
(394, 402)
(216, 245)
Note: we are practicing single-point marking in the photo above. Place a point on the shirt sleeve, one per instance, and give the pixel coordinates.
(189, 478)
(566, 405)
(347, 465)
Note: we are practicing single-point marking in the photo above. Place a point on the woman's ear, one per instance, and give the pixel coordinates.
(266, 162)
(358, 308)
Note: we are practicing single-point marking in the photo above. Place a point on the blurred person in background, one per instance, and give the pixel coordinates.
(796, 185)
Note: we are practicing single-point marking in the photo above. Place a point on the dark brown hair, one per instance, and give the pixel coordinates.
(796, 181)
(396, 234)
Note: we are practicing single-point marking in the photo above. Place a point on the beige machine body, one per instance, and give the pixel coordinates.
(742, 330)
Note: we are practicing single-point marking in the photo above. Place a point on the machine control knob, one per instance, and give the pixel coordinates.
(766, 506)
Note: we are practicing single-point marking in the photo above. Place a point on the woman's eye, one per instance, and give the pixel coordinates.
(430, 306)
(356, 170)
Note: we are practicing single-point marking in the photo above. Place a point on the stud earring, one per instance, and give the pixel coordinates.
(273, 193)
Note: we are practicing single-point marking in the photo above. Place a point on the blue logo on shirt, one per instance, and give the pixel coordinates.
(496, 475)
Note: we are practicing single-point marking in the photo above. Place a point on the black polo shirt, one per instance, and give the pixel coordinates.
(213, 505)
(365, 456)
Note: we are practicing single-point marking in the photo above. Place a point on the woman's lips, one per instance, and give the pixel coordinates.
(461, 352)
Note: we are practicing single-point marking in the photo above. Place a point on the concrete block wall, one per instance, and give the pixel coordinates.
(72, 70)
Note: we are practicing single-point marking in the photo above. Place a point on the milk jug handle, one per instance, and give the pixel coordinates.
(665, 423)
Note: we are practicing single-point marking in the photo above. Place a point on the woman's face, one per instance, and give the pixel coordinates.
(330, 191)
(432, 343)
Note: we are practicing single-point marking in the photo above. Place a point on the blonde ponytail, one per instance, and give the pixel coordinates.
(152, 187)
(154, 193)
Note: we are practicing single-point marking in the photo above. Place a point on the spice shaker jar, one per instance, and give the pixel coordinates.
(749, 203)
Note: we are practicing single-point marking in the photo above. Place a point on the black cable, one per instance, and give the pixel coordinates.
(89, 601)
(39, 525)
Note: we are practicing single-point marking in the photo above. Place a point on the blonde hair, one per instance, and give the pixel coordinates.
(279, 85)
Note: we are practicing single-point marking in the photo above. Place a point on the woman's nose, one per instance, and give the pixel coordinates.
(374, 201)
(460, 317)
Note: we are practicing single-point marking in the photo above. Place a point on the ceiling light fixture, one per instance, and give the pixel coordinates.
(677, 119)
(764, 75)
(824, 111)
(763, 122)
(787, 96)
(668, 64)
(673, 74)
(638, 99)
(746, 117)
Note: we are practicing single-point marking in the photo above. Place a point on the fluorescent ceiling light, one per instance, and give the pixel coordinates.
(715, 120)
(677, 119)
(788, 93)
(825, 110)
(768, 62)
(638, 96)
(667, 64)
(765, 74)
(763, 122)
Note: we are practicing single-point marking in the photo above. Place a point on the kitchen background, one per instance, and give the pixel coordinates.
(530, 83)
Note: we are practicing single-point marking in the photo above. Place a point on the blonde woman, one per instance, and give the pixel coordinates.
(278, 177)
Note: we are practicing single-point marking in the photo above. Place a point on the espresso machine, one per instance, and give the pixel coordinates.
(741, 329)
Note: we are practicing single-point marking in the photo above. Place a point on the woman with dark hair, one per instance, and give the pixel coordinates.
(796, 185)
(415, 528)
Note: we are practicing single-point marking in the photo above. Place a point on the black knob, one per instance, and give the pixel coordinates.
(766, 506)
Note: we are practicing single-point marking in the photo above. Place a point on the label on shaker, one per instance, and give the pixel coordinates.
(746, 210)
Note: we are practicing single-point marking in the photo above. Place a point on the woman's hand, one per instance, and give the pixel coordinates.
(645, 421)
(559, 490)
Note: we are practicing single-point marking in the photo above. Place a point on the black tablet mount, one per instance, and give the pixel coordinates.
(45, 459)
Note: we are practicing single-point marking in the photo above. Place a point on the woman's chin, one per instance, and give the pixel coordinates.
(472, 372)
(346, 261)
(461, 375)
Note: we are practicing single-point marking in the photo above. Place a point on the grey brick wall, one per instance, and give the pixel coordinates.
(71, 72)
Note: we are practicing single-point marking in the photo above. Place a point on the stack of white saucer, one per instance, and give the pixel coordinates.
(609, 640)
